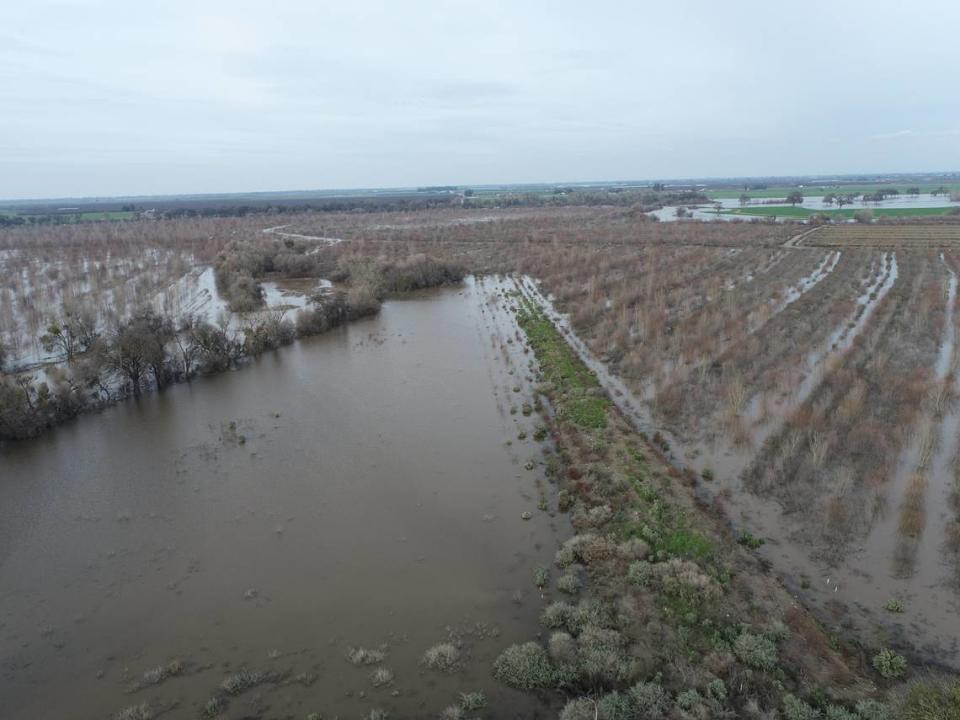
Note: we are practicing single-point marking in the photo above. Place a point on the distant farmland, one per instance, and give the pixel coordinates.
(844, 214)
(893, 236)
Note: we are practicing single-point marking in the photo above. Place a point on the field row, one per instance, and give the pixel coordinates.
(922, 236)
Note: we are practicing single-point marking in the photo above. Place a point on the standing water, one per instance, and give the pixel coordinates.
(221, 546)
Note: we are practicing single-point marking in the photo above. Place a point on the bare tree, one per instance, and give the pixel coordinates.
(188, 349)
(74, 333)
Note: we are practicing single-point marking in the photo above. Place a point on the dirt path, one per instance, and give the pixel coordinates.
(297, 236)
(794, 242)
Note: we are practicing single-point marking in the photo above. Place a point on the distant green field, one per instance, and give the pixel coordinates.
(846, 213)
(73, 217)
(820, 190)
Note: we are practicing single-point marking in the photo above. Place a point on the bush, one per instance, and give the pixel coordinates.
(569, 583)
(471, 701)
(838, 712)
(617, 706)
(563, 649)
(541, 576)
(328, 311)
(874, 710)
(241, 681)
(556, 615)
(890, 664)
(580, 709)
(443, 657)
(717, 690)
(365, 656)
(602, 657)
(420, 271)
(755, 651)
(689, 699)
(525, 667)
(931, 701)
(640, 573)
(135, 712)
(894, 606)
(796, 709)
(652, 698)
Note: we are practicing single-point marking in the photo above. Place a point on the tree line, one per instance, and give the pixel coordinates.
(151, 350)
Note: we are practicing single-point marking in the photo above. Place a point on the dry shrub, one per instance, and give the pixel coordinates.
(808, 650)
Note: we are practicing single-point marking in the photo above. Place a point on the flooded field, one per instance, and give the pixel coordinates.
(790, 426)
(224, 546)
(731, 208)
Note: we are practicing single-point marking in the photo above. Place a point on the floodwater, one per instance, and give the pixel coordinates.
(812, 202)
(855, 591)
(362, 488)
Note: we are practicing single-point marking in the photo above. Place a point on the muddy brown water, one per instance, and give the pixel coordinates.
(372, 499)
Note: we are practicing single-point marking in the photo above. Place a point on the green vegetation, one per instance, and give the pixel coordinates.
(242, 681)
(931, 701)
(640, 543)
(579, 395)
(889, 664)
(894, 606)
(525, 667)
(444, 657)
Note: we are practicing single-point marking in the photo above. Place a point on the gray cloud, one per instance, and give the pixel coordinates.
(107, 97)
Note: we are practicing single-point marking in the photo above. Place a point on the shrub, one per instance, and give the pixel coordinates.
(366, 656)
(135, 712)
(838, 712)
(651, 696)
(214, 706)
(453, 712)
(640, 573)
(158, 674)
(443, 657)
(717, 690)
(381, 676)
(472, 701)
(541, 576)
(796, 709)
(590, 612)
(874, 710)
(748, 540)
(689, 699)
(890, 664)
(525, 667)
(556, 615)
(755, 651)
(580, 709)
(602, 656)
(931, 701)
(894, 606)
(633, 549)
(569, 583)
(617, 706)
(242, 681)
(563, 649)
(686, 580)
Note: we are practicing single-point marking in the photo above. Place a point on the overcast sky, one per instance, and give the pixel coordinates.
(118, 97)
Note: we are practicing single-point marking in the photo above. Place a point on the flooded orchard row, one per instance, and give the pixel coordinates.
(222, 546)
(880, 567)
